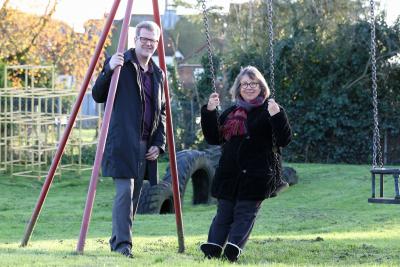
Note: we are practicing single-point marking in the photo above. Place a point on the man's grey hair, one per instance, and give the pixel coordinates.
(148, 25)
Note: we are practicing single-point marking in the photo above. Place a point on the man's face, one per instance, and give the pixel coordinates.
(146, 43)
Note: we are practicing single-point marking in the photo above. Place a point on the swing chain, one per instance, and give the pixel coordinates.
(277, 170)
(271, 48)
(209, 48)
(377, 151)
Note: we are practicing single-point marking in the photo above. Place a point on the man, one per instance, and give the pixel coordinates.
(136, 133)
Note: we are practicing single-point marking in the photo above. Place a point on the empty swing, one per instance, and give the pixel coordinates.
(377, 161)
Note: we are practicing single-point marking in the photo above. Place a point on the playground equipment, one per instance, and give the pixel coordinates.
(193, 167)
(104, 130)
(377, 161)
(31, 119)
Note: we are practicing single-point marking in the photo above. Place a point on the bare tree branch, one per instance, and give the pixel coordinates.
(367, 66)
(37, 30)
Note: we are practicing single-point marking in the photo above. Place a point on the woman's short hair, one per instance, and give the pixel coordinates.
(254, 74)
(148, 25)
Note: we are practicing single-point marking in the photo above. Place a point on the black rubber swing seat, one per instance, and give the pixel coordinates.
(381, 199)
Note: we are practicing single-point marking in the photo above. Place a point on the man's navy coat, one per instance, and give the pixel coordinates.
(126, 125)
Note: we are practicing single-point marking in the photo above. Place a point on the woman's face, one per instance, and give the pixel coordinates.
(249, 88)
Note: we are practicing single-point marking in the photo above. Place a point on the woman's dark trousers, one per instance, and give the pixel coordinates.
(233, 222)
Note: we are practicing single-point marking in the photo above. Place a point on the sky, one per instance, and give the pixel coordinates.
(76, 12)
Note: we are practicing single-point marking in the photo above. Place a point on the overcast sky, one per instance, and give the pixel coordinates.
(76, 12)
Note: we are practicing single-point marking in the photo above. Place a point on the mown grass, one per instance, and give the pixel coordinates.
(324, 220)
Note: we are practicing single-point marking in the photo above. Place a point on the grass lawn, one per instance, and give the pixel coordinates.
(324, 220)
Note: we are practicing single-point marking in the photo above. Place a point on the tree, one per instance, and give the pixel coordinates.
(40, 40)
(187, 38)
(14, 28)
(322, 70)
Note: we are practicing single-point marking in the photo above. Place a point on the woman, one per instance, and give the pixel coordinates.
(244, 176)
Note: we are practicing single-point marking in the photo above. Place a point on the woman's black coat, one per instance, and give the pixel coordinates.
(122, 146)
(245, 169)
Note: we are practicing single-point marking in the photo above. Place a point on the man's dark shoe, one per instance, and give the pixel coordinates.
(232, 252)
(127, 252)
(211, 250)
(279, 187)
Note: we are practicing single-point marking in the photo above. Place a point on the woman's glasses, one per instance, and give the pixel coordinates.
(249, 85)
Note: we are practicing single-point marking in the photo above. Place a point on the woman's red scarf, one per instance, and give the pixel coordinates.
(235, 123)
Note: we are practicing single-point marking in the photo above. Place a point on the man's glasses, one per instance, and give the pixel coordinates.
(249, 85)
(145, 40)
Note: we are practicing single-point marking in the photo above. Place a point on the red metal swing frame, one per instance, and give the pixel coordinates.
(104, 130)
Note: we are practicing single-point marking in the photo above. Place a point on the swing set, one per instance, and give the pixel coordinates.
(105, 124)
(377, 153)
(104, 130)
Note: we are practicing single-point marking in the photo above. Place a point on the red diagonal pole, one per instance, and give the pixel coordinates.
(170, 136)
(68, 129)
(103, 133)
